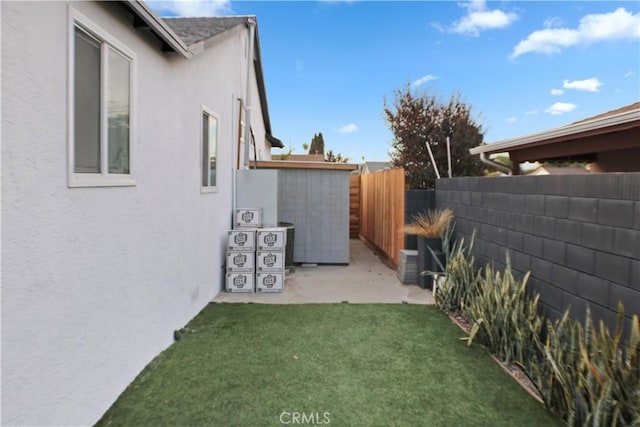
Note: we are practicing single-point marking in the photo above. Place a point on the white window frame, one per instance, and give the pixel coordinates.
(104, 178)
(206, 110)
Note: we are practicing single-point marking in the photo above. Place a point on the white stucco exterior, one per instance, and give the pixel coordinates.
(95, 280)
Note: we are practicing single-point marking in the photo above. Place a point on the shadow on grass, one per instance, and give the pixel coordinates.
(337, 364)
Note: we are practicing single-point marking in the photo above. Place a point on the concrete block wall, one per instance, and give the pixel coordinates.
(578, 235)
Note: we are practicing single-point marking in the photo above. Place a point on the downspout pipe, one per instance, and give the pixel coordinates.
(499, 166)
(251, 23)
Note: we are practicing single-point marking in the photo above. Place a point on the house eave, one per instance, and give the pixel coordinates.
(170, 39)
(275, 142)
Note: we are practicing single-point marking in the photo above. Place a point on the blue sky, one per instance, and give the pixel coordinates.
(524, 66)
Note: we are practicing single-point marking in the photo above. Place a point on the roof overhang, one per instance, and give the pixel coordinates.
(275, 142)
(604, 125)
(171, 41)
(262, 91)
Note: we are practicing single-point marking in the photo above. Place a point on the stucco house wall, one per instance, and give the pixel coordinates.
(95, 280)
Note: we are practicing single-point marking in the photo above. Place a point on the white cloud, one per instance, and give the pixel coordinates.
(616, 25)
(191, 8)
(561, 108)
(629, 74)
(532, 112)
(511, 120)
(589, 85)
(554, 22)
(557, 92)
(478, 18)
(350, 128)
(422, 80)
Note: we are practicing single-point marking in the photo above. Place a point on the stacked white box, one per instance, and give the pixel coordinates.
(242, 240)
(269, 282)
(270, 261)
(241, 260)
(248, 217)
(271, 239)
(240, 282)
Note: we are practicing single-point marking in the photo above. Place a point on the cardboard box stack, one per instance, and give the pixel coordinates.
(270, 246)
(255, 256)
(241, 248)
(241, 251)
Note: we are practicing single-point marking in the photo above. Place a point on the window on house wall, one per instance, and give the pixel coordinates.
(100, 131)
(209, 149)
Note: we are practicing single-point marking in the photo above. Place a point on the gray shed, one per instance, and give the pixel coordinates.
(314, 196)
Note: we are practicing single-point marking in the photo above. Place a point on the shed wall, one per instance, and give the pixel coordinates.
(317, 202)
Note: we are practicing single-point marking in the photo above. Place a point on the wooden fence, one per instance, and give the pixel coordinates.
(382, 211)
(354, 206)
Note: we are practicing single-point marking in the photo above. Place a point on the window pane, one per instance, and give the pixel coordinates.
(86, 104)
(118, 112)
(213, 146)
(205, 150)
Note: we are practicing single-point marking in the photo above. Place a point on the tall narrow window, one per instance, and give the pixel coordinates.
(86, 104)
(209, 149)
(118, 112)
(100, 143)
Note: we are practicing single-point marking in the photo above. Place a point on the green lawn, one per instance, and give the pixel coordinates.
(341, 364)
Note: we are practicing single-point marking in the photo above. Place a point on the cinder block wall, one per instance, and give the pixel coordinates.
(578, 235)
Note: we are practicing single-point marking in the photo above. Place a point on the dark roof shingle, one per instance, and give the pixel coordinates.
(193, 30)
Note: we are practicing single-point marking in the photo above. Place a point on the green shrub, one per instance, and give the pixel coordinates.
(462, 278)
(588, 376)
(503, 318)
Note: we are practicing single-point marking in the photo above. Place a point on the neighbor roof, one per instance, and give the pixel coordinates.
(615, 120)
(375, 166)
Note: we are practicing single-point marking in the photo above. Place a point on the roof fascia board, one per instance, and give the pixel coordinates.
(572, 129)
(161, 29)
(262, 90)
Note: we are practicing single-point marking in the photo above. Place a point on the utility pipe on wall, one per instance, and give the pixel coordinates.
(247, 117)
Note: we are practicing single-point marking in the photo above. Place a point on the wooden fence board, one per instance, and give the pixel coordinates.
(382, 211)
(354, 206)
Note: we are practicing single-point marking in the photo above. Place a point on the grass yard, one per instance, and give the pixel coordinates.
(337, 364)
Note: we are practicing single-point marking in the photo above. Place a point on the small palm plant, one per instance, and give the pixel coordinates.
(431, 224)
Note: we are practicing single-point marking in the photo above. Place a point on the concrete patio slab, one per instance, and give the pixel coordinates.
(365, 280)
